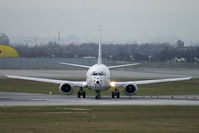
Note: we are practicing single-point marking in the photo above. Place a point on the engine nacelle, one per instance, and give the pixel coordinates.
(65, 89)
(130, 89)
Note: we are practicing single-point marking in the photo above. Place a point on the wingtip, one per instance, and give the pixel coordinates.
(187, 78)
(8, 76)
(138, 63)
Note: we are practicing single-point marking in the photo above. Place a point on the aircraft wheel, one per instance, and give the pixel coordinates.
(113, 95)
(84, 94)
(78, 94)
(118, 94)
(98, 97)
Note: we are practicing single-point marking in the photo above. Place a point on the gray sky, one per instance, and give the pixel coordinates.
(153, 6)
(121, 20)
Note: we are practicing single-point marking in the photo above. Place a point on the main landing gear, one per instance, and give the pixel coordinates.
(81, 93)
(116, 93)
(98, 96)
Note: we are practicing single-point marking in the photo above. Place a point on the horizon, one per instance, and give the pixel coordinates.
(77, 21)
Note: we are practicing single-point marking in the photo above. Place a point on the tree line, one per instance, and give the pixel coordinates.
(119, 52)
(162, 52)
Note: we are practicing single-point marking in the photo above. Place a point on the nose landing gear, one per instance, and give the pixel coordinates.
(98, 96)
(116, 93)
(81, 93)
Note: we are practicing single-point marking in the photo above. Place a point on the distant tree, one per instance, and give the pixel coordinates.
(118, 52)
(4, 40)
(180, 44)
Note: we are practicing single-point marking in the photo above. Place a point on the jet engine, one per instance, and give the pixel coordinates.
(65, 89)
(130, 89)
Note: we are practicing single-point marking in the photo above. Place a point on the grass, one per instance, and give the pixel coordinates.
(15, 85)
(100, 119)
(171, 88)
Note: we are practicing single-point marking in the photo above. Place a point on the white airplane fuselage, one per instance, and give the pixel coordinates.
(98, 77)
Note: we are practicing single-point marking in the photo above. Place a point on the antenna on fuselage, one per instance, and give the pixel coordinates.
(100, 49)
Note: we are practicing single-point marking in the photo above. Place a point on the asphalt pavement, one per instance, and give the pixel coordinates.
(27, 99)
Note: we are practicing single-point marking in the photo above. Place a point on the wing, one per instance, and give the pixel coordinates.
(122, 84)
(76, 65)
(54, 81)
(119, 66)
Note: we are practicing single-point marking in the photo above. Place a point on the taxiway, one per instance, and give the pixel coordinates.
(27, 99)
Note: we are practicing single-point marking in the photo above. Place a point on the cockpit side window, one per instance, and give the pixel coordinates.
(97, 73)
(100, 73)
(94, 73)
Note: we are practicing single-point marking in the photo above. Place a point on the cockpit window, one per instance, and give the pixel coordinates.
(94, 73)
(101, 73)
(98, 73)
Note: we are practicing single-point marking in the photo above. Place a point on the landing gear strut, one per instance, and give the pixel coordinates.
(81, 93)
(98, 96)
(116, 93)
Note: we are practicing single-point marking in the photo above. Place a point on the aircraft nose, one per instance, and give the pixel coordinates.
(97, 81)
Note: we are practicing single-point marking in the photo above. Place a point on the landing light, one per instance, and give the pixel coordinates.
(84, 83)
(112, 84)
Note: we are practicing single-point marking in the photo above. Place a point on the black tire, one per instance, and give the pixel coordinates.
(118, 94)
(113, 95)
(98, 97)
(79, 95)
(84, 94)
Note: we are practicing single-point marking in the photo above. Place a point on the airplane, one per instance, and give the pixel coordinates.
(98, 79)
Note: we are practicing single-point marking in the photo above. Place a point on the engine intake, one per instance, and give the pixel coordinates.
(130, 89)
(65, 89)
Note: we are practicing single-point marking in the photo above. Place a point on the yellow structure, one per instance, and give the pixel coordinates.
(8, 52)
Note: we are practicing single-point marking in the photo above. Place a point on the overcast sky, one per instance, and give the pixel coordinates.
(121, 20)
(119, 5)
